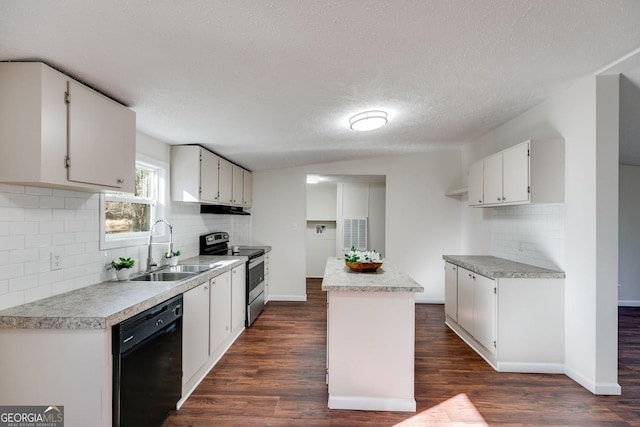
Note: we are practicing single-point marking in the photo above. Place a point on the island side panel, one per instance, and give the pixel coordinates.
(371, 343)
(64, 367)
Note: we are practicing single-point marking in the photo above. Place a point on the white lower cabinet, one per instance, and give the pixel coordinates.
(465, 299)
(484, 312)
(238, 298)
(220, 312)
(451, 290)
(267, 276)
(214, 314)
(515, 324)
(195, 331)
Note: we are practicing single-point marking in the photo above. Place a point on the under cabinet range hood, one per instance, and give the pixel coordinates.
(223, 210)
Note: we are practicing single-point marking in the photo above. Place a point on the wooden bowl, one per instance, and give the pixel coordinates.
(363, 267)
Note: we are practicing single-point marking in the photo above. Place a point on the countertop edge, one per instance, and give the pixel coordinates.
(508, 270)
(15, 322)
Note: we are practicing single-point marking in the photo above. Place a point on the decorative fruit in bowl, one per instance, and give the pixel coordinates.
(363, 261)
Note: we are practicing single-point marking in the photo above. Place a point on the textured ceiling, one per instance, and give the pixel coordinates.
(272, 83)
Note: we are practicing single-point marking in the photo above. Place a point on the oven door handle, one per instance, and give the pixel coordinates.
(256, 261)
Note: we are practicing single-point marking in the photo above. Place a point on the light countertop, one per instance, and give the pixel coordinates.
(105, 304)
(497, 268)
(338, 277)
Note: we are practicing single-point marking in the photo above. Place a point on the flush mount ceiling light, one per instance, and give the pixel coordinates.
(368, 120)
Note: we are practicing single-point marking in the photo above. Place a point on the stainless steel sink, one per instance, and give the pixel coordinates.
(162, 276)
(188, 268)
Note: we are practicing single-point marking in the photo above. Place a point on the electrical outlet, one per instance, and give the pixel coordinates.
(56, 260)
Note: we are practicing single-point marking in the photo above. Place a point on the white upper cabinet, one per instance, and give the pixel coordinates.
(56, 132)
(476, 183)
(530, 172)
(492, 178)
(225, 175)
(198, 175)
(515, 174)
(208, 176)
(194, 174)
(247, 185)
(237, 185)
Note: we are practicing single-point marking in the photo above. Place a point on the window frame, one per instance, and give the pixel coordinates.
(124, 240)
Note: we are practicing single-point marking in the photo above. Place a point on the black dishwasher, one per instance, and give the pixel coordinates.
(147, 365)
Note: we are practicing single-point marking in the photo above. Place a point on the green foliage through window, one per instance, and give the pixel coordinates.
(133, 214)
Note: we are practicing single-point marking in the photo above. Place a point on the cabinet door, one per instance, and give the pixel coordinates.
(225, 181)
(208, 176)
(195, 330)
(238, 298)
(465, 299)
(267, 276)
(484, 311)
(101, 140)
(451, 290)
(237, 186)
(247, 190)
(476, 183)
(492, 175)
(220, 315)
(515, 174)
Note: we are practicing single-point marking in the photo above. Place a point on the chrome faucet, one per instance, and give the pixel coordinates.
(150, 262)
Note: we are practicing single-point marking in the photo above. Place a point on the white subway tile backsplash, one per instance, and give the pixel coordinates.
(532, 234)
(24, 200)
(62, 239)
(73, 203)
(11, 299)
(35, 221)
(8, 188)
(11, 242)
(12, 214)
(37, 214)
(26, 228)
(63, 193)
(22, 283)
(63, 214)
(37, 241)
(23, 255)
(51, 202)
(40, 191)
(37, 293)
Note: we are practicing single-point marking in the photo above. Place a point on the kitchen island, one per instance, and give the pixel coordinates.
(370, 338)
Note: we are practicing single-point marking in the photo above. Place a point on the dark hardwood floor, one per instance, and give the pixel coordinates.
(273, 375)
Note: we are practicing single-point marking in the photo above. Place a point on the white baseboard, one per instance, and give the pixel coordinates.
(531, 368)
(301, 298)
(629, 303)
(424, 300)
(612, 389)
(372, 403)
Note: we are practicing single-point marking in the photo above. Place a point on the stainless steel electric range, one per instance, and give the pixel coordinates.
(217, 243)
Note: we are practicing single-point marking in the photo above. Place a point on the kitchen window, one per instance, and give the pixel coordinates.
(125, 219)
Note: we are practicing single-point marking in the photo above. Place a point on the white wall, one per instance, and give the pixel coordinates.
(590, 358)
(629, 236)
(35, 221)
(422, 223)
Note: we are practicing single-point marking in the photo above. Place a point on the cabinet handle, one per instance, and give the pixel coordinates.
(499, 199)
(470, 275)
(120, 181)
(479, 201)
